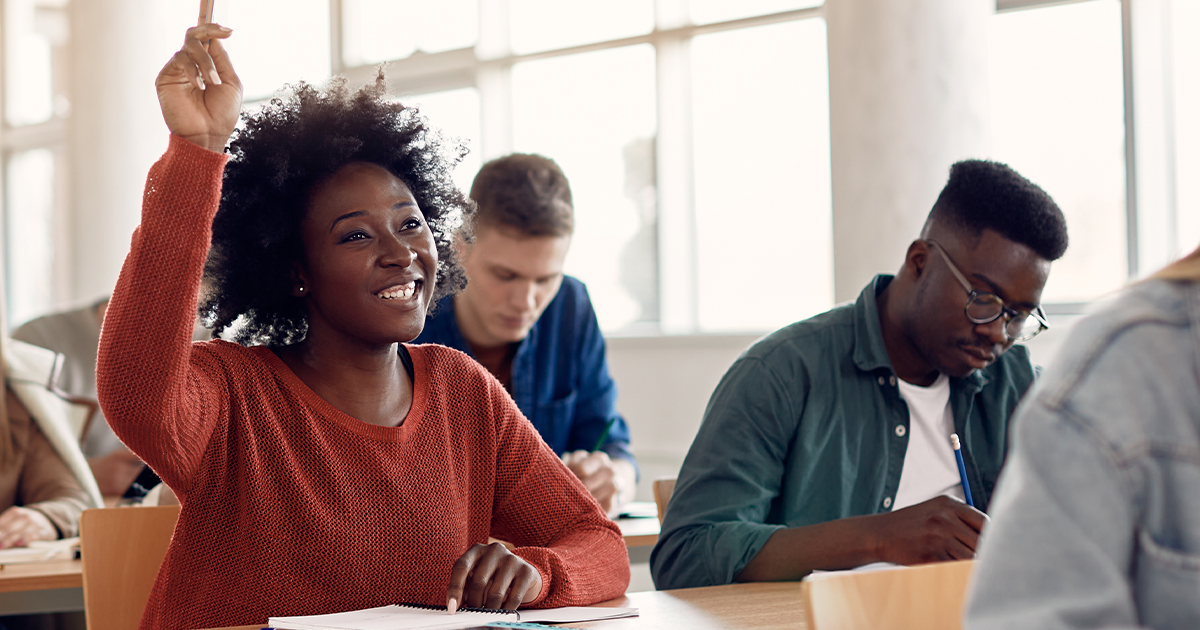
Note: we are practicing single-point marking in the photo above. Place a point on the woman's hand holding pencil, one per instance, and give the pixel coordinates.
(198, 90)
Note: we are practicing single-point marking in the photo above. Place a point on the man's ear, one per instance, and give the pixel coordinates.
(916, 258)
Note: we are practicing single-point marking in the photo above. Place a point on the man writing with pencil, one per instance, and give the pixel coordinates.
(533, 327)
(829, 443)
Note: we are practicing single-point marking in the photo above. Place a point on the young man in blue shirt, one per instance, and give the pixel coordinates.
(827, 444)
(533, 327)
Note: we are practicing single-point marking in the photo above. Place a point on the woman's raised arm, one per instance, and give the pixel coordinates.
(198, 91)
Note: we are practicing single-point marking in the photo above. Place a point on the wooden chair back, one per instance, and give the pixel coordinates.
(122, 549)
(929, 596)
(663, 489)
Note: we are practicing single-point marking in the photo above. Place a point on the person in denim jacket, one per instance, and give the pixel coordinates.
(1096, 519)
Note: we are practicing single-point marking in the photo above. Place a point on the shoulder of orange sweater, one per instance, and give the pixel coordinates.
(449, 368)
(234, 356)
(444, 361)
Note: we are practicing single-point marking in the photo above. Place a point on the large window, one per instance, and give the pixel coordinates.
(1097, 101)
(695, 135)
(1183, 22)
(1058, 117)
(34, 104)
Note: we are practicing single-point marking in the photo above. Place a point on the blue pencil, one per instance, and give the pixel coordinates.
(962, 468)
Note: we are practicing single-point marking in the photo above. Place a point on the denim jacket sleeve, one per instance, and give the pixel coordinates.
(1095, 519)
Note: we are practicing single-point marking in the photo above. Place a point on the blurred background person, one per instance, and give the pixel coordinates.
(75, 334)
(533, 327)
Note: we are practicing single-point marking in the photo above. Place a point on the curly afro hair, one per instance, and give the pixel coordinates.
(278, 157)
(984, 195)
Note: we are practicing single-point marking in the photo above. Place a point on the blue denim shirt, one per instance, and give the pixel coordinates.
(560, 377)
(808, 426)
(1096, 518)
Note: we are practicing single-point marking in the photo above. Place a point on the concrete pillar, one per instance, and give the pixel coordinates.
(908, 95)
(115, 130)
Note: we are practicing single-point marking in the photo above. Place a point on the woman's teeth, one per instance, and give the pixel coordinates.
(405, 291)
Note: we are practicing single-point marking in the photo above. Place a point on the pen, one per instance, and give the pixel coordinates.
(604, 436)
(962, 468)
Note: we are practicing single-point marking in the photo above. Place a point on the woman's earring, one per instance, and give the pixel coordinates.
(302, 288)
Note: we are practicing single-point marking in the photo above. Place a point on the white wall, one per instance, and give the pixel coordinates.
(663, 385)
(116, 130)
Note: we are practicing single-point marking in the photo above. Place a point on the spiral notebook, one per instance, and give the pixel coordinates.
(404, 616)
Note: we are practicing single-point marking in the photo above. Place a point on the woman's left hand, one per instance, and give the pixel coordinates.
(20, 526)
(491, 576)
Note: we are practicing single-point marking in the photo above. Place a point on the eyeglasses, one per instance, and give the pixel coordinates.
(985, 308)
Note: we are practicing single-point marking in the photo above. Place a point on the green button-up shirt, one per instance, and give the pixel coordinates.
(802, 429)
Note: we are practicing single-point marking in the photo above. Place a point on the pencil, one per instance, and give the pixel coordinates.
(206, 11)
(604, 436)
(962, 468)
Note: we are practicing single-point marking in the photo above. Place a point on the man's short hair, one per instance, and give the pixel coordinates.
(989, 195)
(525, 192)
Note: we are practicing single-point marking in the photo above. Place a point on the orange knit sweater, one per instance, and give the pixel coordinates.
(292, 507)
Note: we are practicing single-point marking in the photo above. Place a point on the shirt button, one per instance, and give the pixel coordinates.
(881, 380)
(887, 503)
(900, 430)
(892, 381)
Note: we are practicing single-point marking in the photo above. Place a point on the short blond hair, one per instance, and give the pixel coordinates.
(1186, 268)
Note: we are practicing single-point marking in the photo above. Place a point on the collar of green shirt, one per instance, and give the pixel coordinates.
(870, 353)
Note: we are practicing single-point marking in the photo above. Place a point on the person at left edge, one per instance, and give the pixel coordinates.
(532, 326)
(321, 463)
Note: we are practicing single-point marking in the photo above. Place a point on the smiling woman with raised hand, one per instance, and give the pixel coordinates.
(321, 463)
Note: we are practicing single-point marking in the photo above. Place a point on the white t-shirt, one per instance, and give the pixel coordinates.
(930, 468)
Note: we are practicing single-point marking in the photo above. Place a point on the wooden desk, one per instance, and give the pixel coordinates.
(41, 587)
(762, 606)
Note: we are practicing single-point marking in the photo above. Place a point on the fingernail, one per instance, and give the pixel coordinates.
(225, 29)
(216, 79)
(452, 605)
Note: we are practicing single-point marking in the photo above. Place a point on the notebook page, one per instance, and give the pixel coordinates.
(575, 614)
(388, 618)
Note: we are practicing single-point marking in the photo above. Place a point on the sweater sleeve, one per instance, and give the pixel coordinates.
(156, 399)
(555, 524)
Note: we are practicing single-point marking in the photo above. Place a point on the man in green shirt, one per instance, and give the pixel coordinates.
(827, 444)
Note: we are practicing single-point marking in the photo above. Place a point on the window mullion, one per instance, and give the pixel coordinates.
(677, 280)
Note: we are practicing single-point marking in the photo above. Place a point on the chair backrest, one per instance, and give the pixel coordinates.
(122, 549)
(929, 596)
(663, 489)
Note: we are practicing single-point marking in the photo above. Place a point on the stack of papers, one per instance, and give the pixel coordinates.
(41, 551)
